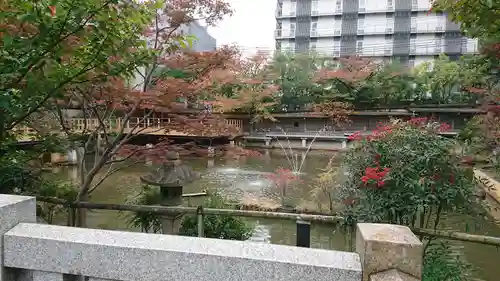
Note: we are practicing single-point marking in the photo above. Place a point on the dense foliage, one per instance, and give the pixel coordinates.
(215, 226)
(405, 173)
(441, 263)
(307, 81)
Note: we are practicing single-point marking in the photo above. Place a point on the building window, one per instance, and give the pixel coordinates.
(361, 26)
(336, 48)
(296, 124)
(389, 25)
(293, 8)
(413, 24)
(439, 44)
(337, 27)
(292, 29)
(440, 21)
(314, 7)
(359, 47)
(413, 46)
(411, 63)
(362, 4)
(464, 44)
(390, 5)
(338, 6)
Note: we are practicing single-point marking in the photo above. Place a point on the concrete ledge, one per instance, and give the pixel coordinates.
(383, 247)
(13, 210)
(130, 256)
(392, 275)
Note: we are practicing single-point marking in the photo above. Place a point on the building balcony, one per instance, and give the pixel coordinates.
(429, 50)
(36, 252)
(428, 27)
(284, 33)
(326, 33)
(282, 15)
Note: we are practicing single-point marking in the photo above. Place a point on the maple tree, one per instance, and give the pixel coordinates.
(248, 90)
(48, 46)
(156, 92)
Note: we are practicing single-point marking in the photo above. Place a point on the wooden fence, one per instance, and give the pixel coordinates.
(303, 221)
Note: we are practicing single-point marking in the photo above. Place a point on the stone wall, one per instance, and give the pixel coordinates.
(37, 252)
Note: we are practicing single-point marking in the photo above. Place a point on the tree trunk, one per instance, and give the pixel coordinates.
(80, 214)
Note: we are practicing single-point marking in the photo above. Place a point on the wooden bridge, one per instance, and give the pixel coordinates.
(143, 126)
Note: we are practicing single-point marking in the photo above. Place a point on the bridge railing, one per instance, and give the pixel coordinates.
(37, 252)
(144, 125)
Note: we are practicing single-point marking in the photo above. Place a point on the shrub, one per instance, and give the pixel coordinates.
(405, 173)
(442, 264)
(58, 189)
(217, 226)
(146, 221)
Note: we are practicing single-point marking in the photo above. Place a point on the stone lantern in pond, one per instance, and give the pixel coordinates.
(171, 177)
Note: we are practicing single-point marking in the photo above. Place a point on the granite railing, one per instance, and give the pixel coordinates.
(38, 252)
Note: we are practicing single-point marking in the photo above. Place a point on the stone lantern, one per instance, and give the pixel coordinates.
(171, 177)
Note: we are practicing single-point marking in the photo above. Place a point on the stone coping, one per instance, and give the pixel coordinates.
(118, 255)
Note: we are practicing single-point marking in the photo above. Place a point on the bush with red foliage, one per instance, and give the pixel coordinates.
(403, 170)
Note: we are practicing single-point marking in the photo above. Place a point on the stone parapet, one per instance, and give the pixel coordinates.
(39, 252)
(13, 210)
(128, 256)
(386, 249)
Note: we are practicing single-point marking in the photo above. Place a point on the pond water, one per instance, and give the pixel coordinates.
(247, 176)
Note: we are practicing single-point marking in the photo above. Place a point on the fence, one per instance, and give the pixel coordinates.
(302, 220)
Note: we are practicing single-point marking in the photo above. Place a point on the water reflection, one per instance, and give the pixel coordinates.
(248, 175)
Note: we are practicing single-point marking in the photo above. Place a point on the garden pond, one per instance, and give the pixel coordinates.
(247, 177)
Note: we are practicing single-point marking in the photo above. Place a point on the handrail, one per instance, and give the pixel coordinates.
(115, 124)
(320, 218)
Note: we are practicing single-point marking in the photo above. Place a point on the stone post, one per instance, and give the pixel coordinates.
(268, 142)
(304, 142)
(149, 162)
(171, 196)
(344, 144)
(72, 157)
(389, 252)
(211, 151)
(14, 210)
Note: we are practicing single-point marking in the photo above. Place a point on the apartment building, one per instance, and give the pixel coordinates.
(204, 41)
(387, 29)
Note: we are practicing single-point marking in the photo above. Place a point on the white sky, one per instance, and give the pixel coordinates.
(251, 26)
